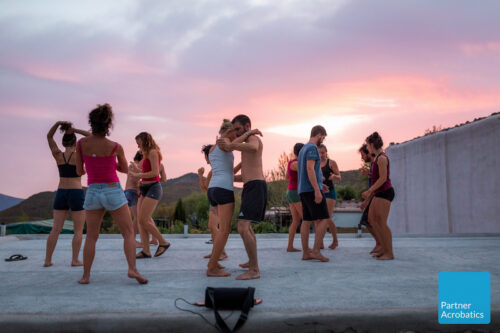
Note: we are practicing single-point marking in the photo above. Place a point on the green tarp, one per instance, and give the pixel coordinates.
(37, 227)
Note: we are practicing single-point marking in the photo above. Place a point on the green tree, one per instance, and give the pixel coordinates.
(346, 192)
(23, 217)
(179, 212)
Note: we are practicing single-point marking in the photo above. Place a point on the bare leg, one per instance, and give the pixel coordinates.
(78, 222)
(376, 229)
(94, 219)
(331, 225)
(225, 215)
(133, 212)
(121, 216)
(304, 236)
(315, 254)
(296, 210)
(59, 217)
(146, 209)
(382, 208)
(250, 241)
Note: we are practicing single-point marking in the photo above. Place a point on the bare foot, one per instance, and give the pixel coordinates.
(377, 254)
(208, 256)
(216, 272)
(76, 263)
(223, 256)
(385, 257)
(245, 265)
(47, 264)
(135, 275)
(322, 246)
(153, 242)
(376, 249)
(334, 245)
(219, 266)
(84, 280)
(315, 256)
(138, 245)
(292, 250)
(249, 275)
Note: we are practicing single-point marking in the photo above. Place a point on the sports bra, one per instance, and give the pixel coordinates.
(67, 170)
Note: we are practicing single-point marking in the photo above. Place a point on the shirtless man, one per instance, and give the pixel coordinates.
(254, 195)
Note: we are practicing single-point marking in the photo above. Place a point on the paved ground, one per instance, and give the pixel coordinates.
(351, 293)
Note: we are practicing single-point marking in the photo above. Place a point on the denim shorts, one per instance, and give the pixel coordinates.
(107, 196)
(132, 197)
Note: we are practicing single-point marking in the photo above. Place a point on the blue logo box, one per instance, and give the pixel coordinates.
(464, 298)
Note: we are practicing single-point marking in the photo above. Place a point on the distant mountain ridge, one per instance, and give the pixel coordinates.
(6, 201)
(39, 206)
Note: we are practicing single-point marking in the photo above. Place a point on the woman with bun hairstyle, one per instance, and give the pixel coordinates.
(100, 158)
(69, 195)
(151, 192)
(382, 194)
(293, 197)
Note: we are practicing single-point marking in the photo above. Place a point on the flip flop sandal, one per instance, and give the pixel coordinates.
(142, 255)
(16, 257)
(165, 247)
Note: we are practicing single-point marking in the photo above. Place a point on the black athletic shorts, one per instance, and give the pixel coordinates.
(253, 201)
(219, 196)
(67, 199)
(311, 211)
(151, 190)
(387, 194)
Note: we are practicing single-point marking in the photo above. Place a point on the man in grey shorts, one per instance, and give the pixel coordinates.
(254, 195)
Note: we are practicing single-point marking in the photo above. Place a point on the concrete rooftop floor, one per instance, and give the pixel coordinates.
(351, 293)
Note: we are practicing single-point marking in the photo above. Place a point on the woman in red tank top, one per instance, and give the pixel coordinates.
(100, 158)
(382, 193)
(151, 192)
(293, 197)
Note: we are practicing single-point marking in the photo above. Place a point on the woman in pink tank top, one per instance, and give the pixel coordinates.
(100, 158)
(151, 193)
(293, 197)
(381, 194)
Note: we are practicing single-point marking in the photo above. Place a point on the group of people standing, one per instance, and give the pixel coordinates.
(311, 192)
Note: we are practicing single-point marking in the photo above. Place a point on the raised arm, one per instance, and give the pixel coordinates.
(80, 170)
(82, 132)
(50, 138)
(201, 181)
(121, 164)
(251, 145)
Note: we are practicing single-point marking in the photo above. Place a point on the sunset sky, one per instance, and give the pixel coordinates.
(177, 68)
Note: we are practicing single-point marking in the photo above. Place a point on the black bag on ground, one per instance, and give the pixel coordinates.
(230, 299)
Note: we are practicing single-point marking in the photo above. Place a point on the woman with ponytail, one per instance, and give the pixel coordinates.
(100, 158)
(69, 193)
(151, 192)
(381, 194)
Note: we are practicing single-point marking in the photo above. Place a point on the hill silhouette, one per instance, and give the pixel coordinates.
(6, 201)
(39, 206)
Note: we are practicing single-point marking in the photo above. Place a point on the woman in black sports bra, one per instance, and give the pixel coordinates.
(69, 195)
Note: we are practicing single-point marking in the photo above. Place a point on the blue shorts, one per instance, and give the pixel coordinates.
(104, 196)
(332, 194)
(67, 199)
(132, 197)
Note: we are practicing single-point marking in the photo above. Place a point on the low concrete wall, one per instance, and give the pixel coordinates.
(448, 182)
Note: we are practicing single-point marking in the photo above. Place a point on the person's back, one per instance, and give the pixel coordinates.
(222, 169)
(99, 157)
(374, 175)
(308, 152)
